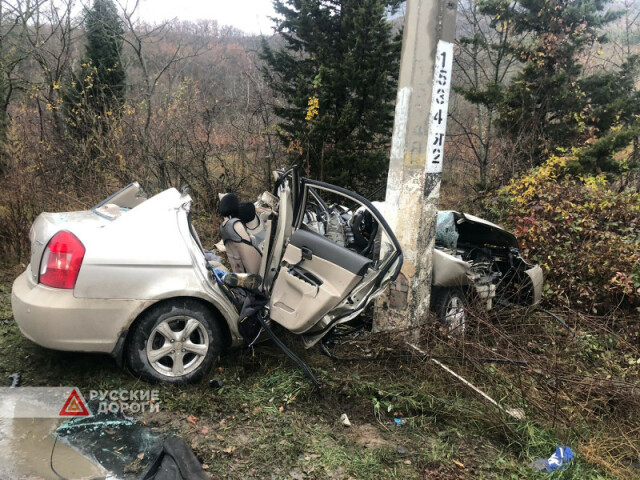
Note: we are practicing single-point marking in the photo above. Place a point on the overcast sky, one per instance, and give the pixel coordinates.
(251, 16)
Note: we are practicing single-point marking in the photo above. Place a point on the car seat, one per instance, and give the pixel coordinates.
(253, 223)
(243, 255)
(229, 205)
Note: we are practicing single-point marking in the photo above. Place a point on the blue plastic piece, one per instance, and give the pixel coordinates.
(558, 461)
(219, 273)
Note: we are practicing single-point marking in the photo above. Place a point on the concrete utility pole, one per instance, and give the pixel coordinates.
(413, 185)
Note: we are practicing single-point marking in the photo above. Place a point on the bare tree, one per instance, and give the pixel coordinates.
(14, 50)
(51, 32)
(484, 62)
(140, 37)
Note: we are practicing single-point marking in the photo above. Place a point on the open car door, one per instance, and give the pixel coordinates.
(340, 255)
(279, 225)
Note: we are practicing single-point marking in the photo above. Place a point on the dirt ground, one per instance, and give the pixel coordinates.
(268, 422)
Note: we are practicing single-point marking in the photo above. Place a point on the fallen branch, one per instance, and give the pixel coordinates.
(516, 413)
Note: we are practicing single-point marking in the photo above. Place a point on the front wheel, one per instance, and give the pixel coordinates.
(450, 304)
(175, 342)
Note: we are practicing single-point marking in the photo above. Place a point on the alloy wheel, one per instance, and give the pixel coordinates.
(177, 346)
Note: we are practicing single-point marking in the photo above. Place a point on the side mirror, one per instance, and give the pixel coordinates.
(248, 281)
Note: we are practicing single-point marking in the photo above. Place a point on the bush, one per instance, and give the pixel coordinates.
(585, 235)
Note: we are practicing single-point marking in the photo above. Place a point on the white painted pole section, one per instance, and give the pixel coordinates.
(439, 107)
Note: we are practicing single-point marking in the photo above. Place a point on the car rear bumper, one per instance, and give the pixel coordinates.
(54, 318)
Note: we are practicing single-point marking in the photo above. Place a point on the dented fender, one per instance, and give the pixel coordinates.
(449, 271)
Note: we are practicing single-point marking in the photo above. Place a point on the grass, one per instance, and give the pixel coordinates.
(268, 422)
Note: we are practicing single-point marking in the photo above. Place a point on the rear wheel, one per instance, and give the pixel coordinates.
(450, 304)
(176, 342)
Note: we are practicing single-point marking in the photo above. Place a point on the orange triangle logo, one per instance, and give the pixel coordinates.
(74, 406)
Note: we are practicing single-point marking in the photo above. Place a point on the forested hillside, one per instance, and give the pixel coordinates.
(543, 137)
(190, 108)
(543, 132)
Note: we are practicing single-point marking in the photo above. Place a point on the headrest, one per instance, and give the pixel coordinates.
(246, 212)
(229, 205)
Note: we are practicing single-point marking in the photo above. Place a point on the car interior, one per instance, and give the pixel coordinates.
(325, 259)
(312, 253)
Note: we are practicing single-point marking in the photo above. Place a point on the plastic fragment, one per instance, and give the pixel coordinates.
(345, 420)
(558, 461)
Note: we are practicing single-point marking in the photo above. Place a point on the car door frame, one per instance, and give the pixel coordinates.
(302, 198)
(381, 278)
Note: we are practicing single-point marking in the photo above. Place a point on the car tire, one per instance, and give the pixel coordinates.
(176, 342)
(450, 306)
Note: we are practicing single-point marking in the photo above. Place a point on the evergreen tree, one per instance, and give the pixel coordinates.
(613, 106)
(98, 88)
(336, 75)
(551, 103)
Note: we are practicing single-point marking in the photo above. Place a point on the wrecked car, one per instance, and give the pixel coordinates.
(474, 262)
(478, 261)
(130, 276)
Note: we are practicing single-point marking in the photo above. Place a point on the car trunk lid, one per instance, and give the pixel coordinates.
(47, 225)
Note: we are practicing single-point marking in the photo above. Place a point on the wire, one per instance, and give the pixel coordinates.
(290, 354)
(53, 449)
(560, 321)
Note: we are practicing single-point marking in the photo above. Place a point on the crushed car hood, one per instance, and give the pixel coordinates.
(477, 231)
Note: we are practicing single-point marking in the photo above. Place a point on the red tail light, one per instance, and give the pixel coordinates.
(61, 261)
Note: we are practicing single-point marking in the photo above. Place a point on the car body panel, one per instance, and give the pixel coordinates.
(449, 271)
(134, 258)
(47, 224)
(372, 273)
(142, 253)
(297, 304)
(537, 280)
(483, 231)
(129, 197)
(54, 318)
(279, 231)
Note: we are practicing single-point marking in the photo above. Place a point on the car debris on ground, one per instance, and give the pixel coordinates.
(560, 460)
(344, 419)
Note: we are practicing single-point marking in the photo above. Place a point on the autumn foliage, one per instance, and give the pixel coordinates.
(582, 230)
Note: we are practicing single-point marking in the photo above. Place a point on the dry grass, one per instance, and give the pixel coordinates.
(581, 390)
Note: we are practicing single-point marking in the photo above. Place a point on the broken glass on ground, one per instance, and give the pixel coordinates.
(121, 445)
